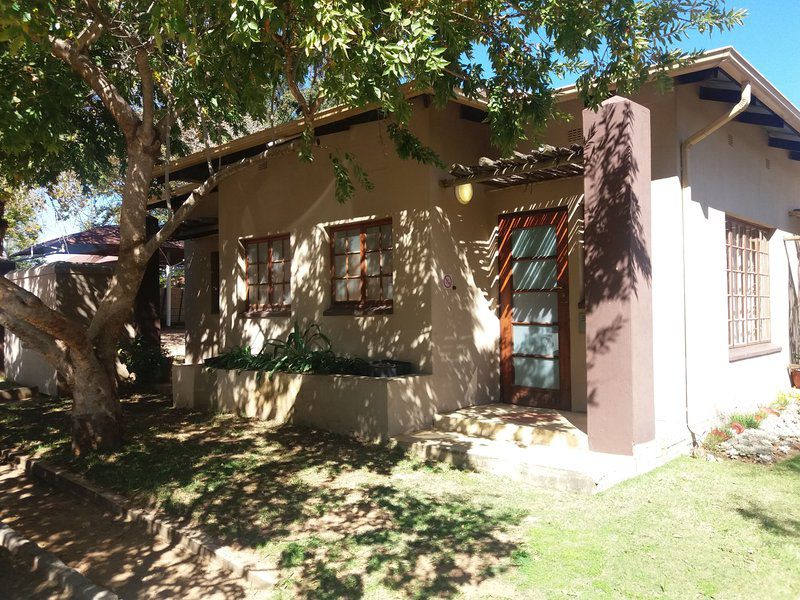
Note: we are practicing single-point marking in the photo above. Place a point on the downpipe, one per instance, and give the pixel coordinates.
(686, 196)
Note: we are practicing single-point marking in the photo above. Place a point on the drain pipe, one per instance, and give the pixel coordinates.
(686, 196)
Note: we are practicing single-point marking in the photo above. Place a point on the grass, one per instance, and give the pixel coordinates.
(342, 520)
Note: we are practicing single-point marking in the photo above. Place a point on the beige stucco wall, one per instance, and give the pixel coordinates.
(72, 289)
(289, 196)
(454, 334)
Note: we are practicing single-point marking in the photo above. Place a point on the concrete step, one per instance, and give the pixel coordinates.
(524, 427)
(566, 469)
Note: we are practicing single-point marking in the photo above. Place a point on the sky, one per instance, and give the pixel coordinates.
(769, 39)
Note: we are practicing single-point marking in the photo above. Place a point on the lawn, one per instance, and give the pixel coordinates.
(342, 520)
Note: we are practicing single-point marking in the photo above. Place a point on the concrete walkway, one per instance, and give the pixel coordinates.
(113, 554)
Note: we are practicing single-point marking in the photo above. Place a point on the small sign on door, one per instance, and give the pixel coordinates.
(447, 282)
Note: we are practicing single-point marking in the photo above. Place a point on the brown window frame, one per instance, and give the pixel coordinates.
(739, 293)
(269, 309)
(362, 306)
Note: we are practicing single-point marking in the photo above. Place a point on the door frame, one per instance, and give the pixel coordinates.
(537, 397)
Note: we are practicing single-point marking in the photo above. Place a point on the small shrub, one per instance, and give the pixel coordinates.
(147, 362)
(786, 398)
(746, 421)
(715, 437)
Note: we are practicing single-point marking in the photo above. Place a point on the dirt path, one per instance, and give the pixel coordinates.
(18, 583)
(111, 553)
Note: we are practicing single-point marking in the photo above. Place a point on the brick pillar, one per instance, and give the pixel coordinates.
(619, 315)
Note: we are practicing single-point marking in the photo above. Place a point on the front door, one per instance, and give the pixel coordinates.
(534, 309)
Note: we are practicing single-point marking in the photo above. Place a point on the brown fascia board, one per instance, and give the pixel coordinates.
(737, 67)
(726, 58)
(284, 131)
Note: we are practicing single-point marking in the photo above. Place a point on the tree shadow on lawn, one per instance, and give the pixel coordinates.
(777, 524)
(773, 524)
(325, 507)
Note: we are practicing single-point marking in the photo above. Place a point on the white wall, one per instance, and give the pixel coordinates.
(732, 175)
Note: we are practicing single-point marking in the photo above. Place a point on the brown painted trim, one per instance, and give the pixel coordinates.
(268, 308)
(752, 351)
(562, 398)
(358, 310)
(362, 306)
(266, 314)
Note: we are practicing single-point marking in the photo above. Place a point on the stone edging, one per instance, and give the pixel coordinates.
(51, 567)
(193, 541)
(16, 394)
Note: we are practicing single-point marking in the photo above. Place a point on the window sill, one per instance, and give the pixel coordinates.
(266, 314)
(745, 352)
(357, 311)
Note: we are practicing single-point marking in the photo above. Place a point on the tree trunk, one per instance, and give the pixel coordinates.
(96, 412)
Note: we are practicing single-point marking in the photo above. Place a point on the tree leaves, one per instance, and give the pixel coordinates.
(233, 56)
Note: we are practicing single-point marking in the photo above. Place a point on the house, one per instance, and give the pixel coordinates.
(638, 275)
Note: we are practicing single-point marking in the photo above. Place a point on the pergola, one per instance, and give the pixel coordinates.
(542, 164)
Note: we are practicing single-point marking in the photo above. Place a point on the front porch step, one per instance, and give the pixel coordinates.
(522, 426)
(566, 469)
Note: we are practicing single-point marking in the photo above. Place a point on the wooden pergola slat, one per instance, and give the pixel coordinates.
(543, 164)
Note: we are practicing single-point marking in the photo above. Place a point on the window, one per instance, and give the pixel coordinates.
(748, 284)
(362, 266)
(214, 277)
(269, 266)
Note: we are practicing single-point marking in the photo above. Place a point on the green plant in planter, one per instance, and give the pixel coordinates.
(149, 363)
(303, 351)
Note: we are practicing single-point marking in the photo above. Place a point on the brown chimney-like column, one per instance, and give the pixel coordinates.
(619, 315)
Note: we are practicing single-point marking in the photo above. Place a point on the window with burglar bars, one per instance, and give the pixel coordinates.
(269, 266)
(748, 284)
(362, 264)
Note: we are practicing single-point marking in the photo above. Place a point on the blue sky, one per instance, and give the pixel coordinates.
(768, 39)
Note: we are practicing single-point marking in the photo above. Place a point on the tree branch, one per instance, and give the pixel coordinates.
(97, 79)
(25, 315)
(146, 73)
(89, 36)
(194, 198)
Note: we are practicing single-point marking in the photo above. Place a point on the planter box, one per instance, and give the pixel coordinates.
(368, 408)
(389, 368)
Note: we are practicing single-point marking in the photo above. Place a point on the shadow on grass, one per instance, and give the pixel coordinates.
(772, 523)
(776, 524)
(326, 504)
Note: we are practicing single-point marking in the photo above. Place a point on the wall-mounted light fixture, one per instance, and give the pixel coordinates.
(464, 193)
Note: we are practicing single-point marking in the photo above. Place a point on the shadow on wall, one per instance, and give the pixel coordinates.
(617, 262)
(201, 323)
(466, 328)
(402, 335)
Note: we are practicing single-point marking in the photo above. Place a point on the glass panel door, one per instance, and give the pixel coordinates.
(534, 311)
